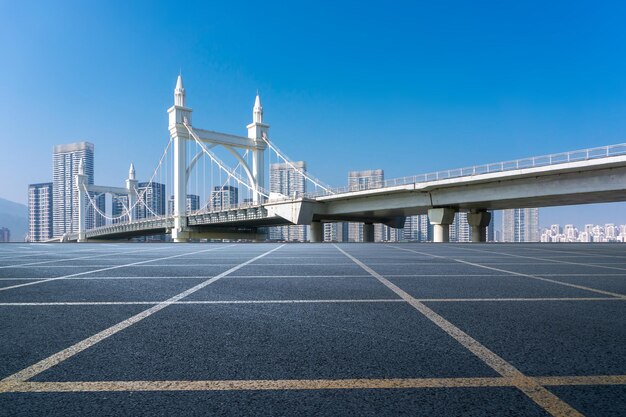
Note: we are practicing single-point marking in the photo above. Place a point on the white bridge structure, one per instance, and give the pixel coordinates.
(577, 177)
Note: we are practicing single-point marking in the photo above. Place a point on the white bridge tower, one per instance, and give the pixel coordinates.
(180, 127)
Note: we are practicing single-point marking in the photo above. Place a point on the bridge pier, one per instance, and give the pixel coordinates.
(441, 219)
(368, 232)
(180, 236)
(317, 232)
(479, 220)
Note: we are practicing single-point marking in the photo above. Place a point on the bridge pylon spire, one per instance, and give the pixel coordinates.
(179, 92)
(256, 130)
(131, 187)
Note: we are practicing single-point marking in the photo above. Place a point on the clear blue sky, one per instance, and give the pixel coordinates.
(408, 87)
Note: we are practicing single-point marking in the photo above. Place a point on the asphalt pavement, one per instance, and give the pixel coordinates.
(312, 329)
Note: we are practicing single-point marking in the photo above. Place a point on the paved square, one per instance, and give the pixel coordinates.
(272, 329)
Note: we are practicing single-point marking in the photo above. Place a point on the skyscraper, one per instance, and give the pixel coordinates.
(40, 212)
(286, 179)
(336, 232)
(224, 197)
(65, 161)
(98, 218)
(192, 203)
(520, 225)
(460, 230)
(152, 200)
(365, 180)
(119, 205)
(491, 229)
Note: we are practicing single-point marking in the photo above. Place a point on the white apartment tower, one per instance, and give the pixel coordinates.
(224, 197)
(365, 180)
(65, 162)
(520, 225)
(192, 203)
(40, 212)
(460, 230)
(286, 179)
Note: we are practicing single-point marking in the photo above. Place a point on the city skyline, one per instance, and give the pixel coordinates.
(515, 226)
(493, 109)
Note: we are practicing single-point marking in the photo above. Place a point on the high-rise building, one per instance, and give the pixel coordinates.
(65, 161)
(417, 229)
(100, 201)
(491, 228)
(286, 179)
(192, 203)
(460, 230)
(411, 229)
(224, 197)
(40, 212)
(336, 232)
(151, 198)
(389, 234)
(365, 180)
(5, 235)
(520, 225)
(119, 206)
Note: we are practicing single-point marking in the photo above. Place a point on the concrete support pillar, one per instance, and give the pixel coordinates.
(441, 219)
(368, 232)
(479, 220)
(317, 232)
(441, 233)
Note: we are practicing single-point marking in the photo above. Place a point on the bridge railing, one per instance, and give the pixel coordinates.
(227, 207)
(531, 162)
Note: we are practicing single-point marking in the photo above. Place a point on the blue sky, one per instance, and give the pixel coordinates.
(408, 87)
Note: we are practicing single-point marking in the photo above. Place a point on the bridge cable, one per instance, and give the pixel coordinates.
(223, 166)
(313, 180)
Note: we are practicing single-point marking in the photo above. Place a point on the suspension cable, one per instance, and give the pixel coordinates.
(315, 181)
(220, 164)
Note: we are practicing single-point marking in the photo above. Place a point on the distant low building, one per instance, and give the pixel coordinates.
(5, 235)
(590, 233)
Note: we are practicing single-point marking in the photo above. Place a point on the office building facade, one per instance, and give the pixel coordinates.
(520, 225)
(151, 197)
(365, 180)
(286, 179)
(192, 203)
(224, 197)
(65, 162)
(40, 217)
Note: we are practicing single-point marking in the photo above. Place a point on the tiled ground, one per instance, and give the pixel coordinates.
(310, 329)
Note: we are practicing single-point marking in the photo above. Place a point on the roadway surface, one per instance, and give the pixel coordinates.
(312, 329)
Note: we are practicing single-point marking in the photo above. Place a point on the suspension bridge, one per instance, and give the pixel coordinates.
(239, 205)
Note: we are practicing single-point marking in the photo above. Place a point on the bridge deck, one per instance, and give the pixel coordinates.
(301, 329)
